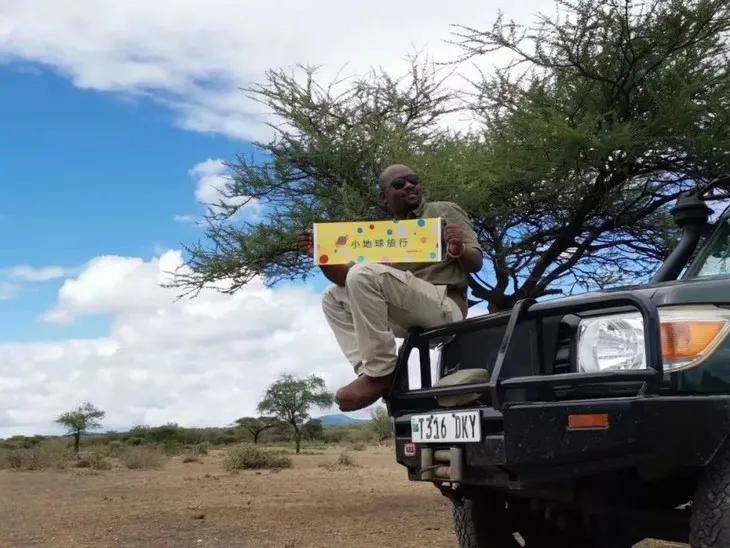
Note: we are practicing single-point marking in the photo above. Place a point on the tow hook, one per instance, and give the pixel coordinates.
(442, 464)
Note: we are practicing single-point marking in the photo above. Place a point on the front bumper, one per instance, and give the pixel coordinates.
(530, 443)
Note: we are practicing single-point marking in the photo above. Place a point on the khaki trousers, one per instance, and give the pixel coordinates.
(378, 304)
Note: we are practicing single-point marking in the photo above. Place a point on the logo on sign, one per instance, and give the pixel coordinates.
(409, 449)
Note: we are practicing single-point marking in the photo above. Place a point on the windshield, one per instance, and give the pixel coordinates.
(714, 260)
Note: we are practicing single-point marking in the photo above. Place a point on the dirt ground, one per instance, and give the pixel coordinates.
(199, 504)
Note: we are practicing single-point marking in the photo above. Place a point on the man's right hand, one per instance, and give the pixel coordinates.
(305, 243)
(336, 273)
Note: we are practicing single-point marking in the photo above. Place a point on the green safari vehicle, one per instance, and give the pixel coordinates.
(592, 420)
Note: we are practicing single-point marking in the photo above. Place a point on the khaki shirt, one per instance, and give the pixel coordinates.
(449, 271)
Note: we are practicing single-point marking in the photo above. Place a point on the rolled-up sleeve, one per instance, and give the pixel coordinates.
(454, 214)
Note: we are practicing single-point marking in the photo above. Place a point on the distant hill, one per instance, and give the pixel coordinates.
(339, 420)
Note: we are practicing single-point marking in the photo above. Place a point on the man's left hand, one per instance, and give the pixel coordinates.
(454, 237)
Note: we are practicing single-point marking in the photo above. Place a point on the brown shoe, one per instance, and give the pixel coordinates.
(363, 391)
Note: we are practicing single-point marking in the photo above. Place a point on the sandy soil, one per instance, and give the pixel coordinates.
(199, 504)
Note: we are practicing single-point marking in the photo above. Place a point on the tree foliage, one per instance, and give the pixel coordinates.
(85, 417)
(313, 430)
(579, 146)
(381, 423)
(289, 399)
(254, 426)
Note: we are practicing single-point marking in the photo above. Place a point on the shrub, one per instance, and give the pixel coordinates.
(142, 458)
(224, 439)
(172, 448)
(345, 460)
(27, 459)
(36, 457)
(244, 457)
(200, 448)
(94, 460)
(14, 459)
(358, 446)
(116, 448)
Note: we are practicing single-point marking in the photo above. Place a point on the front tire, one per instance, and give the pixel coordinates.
(488, 520)
(483, 522)
(709, 525)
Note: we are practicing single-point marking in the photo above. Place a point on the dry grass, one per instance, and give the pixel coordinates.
(191, 457)
(243, 457)
(52, 455)
(343, 462)
(373, 504)
(142, 458)
(94, 460)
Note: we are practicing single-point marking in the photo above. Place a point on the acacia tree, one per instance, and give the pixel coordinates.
(290, 398)
(580, 145)
(255, 426)
(607, 113)
(381, 423)
(85, 417)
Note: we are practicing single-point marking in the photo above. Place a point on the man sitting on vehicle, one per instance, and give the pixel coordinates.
(371, 304)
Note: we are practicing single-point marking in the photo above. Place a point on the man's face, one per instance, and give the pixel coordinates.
(401, 194)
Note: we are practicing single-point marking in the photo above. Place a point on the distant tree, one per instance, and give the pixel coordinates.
(255, 426)
(609, 111)
(381, 423)
(290, 398)
(313, 430)
(85, 417)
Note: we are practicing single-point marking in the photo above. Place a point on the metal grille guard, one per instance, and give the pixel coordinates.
(497, 385)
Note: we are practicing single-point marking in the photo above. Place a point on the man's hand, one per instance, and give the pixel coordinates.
(454, 237)
(469, 258)
(305, 243)
(336, 273)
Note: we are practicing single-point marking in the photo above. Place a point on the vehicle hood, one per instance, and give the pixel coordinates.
(714, 290)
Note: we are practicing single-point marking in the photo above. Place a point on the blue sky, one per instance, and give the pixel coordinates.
(88, 174)
(117, 120)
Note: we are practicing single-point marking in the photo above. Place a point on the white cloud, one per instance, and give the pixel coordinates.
(195, 56)
(186, 218)
(205, 361)
(27, 273)
(8, 290)
(211, 178)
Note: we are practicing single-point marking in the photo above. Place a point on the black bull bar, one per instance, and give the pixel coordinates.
(492, 392)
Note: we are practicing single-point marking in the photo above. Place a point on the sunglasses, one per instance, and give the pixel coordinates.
(400, 182)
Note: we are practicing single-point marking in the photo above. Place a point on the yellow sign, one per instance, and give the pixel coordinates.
(404, 241)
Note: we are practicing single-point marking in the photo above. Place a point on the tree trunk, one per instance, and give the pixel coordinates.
(77, 439)
(297, 438)
(256, 436)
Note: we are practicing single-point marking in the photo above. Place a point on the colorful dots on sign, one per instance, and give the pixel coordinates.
(363, 242)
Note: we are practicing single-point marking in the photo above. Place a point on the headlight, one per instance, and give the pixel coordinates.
(616, 342)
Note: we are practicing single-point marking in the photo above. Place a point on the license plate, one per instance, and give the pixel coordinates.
(457, 426)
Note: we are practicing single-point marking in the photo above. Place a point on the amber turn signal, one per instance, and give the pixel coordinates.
(588, 422)
(687, 340)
